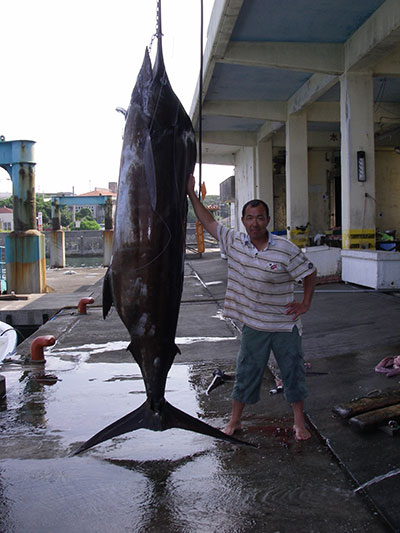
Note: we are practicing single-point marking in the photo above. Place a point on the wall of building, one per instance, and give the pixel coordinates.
(387, 190)
(319, 169)
(320, 164)
(6, 221)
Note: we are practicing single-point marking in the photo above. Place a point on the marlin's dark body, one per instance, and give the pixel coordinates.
(145, 278)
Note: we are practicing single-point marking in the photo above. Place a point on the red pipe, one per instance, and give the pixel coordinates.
(82, 305)
(37, 347)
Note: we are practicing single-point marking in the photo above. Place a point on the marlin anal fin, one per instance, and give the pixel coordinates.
(107, 293)
(167, 418)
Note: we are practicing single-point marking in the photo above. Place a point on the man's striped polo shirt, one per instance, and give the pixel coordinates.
(261, 283)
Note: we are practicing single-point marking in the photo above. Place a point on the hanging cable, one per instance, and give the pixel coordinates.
(201, 99)
(158, 32)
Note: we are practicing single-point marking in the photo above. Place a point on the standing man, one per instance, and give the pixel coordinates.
(262, 269)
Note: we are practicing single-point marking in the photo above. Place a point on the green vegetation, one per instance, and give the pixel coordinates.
(88, 223)
(7, 202)
(86, 218)
(85, 212)
(208, 200)
(43, 205)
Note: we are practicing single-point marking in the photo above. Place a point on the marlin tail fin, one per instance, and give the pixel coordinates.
(167, 418)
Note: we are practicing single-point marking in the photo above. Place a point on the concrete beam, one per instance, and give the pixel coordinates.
(307, 57)
(249, 109)
(214, 158)
(233, 138)
(268, 130)
(374, 39)
(313, 89)
(222, 22)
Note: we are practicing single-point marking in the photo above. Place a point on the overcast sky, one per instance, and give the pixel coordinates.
(66, 66)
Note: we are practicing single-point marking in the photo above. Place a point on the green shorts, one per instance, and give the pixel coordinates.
(255, 349)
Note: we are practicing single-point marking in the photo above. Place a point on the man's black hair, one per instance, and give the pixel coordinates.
(255, 203)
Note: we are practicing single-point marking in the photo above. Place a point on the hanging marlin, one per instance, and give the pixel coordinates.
(145, 278)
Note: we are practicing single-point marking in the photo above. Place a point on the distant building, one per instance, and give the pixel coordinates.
(98, 210)
(113, 186)
(6, 219)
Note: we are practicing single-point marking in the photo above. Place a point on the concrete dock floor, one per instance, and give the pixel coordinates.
(178, 481)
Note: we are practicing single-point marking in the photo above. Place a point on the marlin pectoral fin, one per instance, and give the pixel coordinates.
(150, 172)
(144, 417)
(107, 293)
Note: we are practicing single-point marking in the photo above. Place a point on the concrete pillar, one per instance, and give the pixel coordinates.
(107, 246)
(57, 249)
(357, 131)
(264, 177)
(297, 178)
(245, 181)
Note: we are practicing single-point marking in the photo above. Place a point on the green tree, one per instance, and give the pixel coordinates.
(87, 223)
(66, 217)
(211, 199)
(44, 206)
(7, 202)
(85, 212)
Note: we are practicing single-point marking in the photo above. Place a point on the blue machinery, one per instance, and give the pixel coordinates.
(57, 245)
(58, 201)
(25, 246)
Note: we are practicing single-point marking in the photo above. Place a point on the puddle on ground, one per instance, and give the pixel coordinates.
(192, 340)
(87, 350)
(145, 481)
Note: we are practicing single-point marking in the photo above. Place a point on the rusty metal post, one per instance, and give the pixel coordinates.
(55, 216)
(108, 214)
(25, 262)
(24, 200)
(108, 232)
(25, 246)
(57, 238)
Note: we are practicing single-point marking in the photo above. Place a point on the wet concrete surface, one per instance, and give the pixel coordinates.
(178, 481)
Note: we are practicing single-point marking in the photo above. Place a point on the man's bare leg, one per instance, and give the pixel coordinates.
(234, 423)
(299, 427)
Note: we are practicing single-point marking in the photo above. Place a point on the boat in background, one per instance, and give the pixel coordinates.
(8, 340)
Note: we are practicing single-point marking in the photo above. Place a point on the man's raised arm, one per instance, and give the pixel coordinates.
(202, 213)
